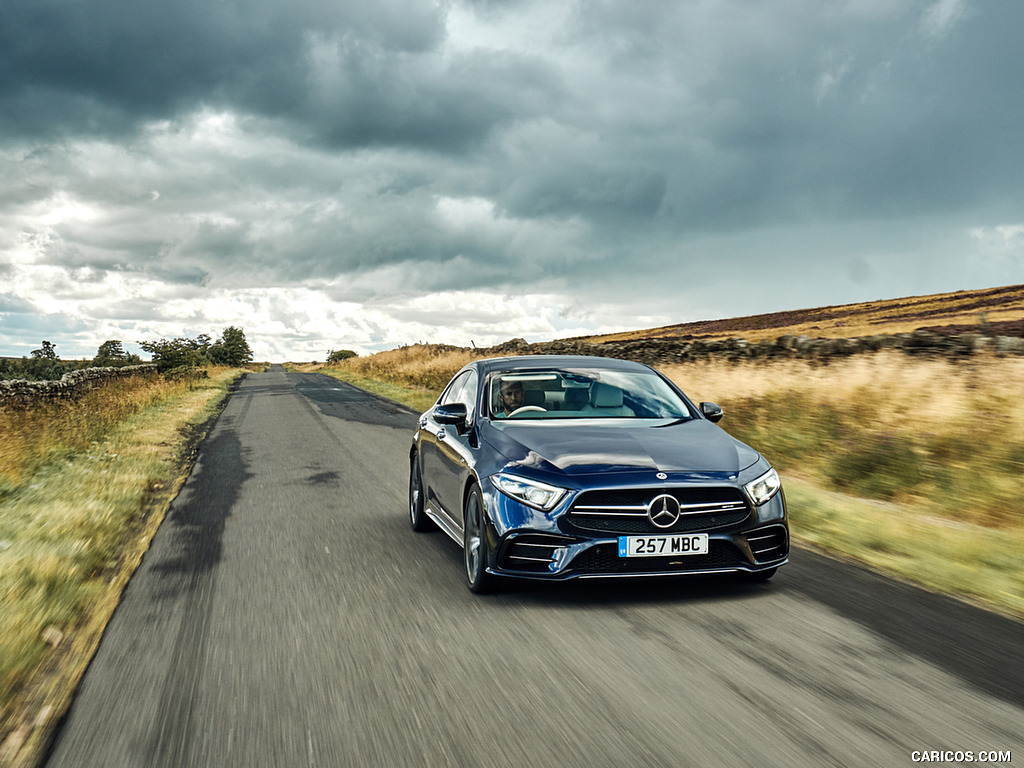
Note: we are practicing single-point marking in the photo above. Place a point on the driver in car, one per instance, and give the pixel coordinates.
(510, 397)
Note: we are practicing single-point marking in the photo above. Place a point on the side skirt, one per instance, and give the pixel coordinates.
(446, 523)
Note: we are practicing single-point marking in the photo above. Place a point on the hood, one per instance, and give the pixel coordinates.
(582, 447)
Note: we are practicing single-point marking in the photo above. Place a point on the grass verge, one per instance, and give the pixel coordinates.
(914, 466)
(971, 561)
(79, 504)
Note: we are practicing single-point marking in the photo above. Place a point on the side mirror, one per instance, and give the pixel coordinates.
(712, 411)
(452, 413)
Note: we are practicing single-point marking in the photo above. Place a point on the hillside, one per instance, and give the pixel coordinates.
(995, 311)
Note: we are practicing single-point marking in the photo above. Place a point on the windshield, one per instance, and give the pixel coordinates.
(583, 394)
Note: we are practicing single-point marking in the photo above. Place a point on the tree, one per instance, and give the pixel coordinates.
(174, 353)
(231, 348)
(337, 355)
(47, 352)
(110, 353)
(201, 343)
(43, 365)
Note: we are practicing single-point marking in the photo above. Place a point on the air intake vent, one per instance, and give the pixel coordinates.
(768, 544)
(532, 552)
(604, 559)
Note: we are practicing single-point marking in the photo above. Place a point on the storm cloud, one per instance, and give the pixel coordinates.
(364, 175)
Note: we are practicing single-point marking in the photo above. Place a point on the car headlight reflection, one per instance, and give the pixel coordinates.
(764, 487)
(531, 492)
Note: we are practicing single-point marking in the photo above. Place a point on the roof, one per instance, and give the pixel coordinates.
(528, 362)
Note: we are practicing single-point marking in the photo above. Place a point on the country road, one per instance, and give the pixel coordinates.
(286, 615)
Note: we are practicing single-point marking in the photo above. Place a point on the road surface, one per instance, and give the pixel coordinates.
(286, 615)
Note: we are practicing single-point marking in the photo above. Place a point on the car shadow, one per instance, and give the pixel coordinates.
(636, 591)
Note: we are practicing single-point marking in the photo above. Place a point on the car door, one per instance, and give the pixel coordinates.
(454, 449)
(432, 437)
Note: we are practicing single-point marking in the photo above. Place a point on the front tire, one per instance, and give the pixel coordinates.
(417, 515)
(474, 545)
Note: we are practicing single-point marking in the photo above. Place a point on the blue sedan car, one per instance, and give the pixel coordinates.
(566, 467)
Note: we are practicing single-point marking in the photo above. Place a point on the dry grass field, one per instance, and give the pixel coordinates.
(996, 310)
(915, 466)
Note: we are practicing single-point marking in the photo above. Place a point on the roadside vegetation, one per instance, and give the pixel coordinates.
(915, 466)
(183, 355)
(43, 364)
(83, 485)
(912, 465)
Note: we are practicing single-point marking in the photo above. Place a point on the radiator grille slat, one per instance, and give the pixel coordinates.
(624, 510)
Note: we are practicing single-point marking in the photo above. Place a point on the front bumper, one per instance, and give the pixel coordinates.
(528, 544)
(531, 555)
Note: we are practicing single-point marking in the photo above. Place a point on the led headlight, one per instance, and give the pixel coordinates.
(535, 494)
(764, 487)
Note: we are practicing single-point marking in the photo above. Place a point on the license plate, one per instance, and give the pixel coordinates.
(655, 546)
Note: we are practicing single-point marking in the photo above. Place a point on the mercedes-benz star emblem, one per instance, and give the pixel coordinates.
(661, 476)
(663, 511)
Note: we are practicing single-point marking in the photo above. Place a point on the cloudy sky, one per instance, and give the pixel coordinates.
(333, 174)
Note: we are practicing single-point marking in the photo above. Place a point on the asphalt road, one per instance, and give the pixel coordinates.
(286, 615)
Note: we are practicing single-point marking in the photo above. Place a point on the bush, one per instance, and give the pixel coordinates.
(877, 466)
(176, 353)
(337, 355)
(111, 354)
(791, 425)
(38, 368)
(185, 373)
(231, 349)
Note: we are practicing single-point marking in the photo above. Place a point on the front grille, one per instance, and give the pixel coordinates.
(767, 544)
(531, 552)
(604, 559)
(625, 510)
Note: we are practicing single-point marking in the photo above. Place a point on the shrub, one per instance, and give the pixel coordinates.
(185, 373)
(112, 354)
(231, 349)
(877, 466)
(337, 355)
(175, 353)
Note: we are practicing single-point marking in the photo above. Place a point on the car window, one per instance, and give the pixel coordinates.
(467, 395)
(454, 391)
(584, 393)
(462, 390)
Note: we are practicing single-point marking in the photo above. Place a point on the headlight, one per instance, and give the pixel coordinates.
(531, 492)
(764, 487)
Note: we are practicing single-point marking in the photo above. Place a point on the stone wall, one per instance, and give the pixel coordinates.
(668, 351)
(24, 394)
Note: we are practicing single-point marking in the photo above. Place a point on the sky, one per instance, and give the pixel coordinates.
(363, 175)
